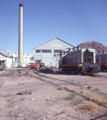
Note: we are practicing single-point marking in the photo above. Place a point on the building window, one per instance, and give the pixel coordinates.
(57, 51)
(32, 58)
(38, 61)
(15, 58)
(38, 51)
(46, 51)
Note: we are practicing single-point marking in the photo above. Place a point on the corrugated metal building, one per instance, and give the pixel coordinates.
(49, 53)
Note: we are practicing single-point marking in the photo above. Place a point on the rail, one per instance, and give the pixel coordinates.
(83, 96)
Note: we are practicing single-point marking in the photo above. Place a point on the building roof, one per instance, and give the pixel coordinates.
(53, 39)
(5, 55)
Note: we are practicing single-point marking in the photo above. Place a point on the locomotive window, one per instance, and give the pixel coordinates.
(89, 59)
(88, 56)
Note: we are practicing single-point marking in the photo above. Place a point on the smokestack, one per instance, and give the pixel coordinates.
(20, 54)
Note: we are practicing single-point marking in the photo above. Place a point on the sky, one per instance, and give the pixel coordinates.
(73, 21)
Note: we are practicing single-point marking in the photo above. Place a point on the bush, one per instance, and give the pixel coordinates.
(90, 106)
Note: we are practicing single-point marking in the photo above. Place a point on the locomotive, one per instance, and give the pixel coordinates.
(79, 60)
(102, 60)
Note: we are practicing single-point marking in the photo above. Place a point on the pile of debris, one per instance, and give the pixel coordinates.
(45, 69)
(24, 93)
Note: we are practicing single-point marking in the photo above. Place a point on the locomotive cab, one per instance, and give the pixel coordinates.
(88, 56)
(89, 62)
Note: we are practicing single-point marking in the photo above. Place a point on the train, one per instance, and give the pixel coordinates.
(79, 61)
(101, 59)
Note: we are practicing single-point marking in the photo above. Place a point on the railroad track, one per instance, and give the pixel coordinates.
(85, 97)
(51, 80)
(44, 78)
(55, 82)
(2, 81)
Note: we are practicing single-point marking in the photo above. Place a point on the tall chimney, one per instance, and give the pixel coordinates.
(20, 54)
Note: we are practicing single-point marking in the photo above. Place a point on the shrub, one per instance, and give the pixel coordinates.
(89, 86)
(98, 98)
(61, 87)
(74, 90)
(97, 88)
(83, 87)
(71, 96)
(90, 106)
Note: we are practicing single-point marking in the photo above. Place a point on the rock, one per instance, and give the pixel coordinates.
(47, 98)
(32, 98)
(15, 106)
(20, 115)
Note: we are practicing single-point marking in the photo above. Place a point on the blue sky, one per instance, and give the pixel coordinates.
(74, 21)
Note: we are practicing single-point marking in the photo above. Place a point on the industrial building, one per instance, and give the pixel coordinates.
(5, 60)
(10, 59)
(27, 59)
(49, 53)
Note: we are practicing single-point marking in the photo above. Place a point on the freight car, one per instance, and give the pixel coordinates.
(102, 60)
(80, 60)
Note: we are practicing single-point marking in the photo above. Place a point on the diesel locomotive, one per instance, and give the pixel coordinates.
(101, 59)
(79, 60)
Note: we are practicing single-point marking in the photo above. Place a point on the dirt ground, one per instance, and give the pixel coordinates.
(25, 97)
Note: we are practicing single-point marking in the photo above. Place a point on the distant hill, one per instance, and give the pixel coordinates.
(96, 45)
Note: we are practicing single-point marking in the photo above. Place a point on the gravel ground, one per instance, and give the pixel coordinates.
(23, 97)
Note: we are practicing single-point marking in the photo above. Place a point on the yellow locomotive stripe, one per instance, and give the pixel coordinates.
(104, 65)
(72, 65)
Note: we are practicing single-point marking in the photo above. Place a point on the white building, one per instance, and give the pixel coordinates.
(10, 59)
(49, 53)
(27, 59)
(5, 60)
